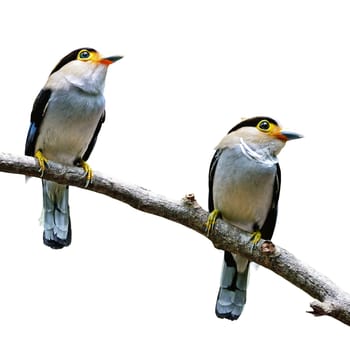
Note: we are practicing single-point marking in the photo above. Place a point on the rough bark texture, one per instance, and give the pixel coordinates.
(329, 299)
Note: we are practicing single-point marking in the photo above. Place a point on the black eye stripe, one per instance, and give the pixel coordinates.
(252, 122)
(72, 56)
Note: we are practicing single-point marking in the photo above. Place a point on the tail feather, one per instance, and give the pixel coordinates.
(56, 219)
(233, 289)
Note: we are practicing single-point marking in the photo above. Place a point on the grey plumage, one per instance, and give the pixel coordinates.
(66, 118)
(71, 118)
(233, 289)
(244, 186)
(56, 218)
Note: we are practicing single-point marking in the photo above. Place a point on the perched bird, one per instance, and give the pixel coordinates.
(65, 121)
(244, 187)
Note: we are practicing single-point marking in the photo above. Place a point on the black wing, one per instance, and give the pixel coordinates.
(94, 137)
(270, 222)
(212, 169)
(36, 117)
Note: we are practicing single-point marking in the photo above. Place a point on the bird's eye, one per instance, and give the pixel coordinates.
(84, 55)
(264, 125)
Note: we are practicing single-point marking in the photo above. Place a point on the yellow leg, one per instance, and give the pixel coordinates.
(256, 237)
(212, 219)
(88, 172)
(42, 161)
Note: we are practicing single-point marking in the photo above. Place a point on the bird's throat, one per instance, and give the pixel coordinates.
(262, 155)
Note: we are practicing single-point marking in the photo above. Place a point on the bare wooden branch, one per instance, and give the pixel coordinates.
(330, 299)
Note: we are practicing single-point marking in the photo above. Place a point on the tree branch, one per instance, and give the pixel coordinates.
(330, 299)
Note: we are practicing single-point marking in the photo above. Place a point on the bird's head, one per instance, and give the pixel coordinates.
(85, 57)
(85, 68)
(259, 133)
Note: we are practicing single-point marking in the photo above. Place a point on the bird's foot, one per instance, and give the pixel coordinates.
(88, 172)
(211, 220)
(42, 161)
(256, 237)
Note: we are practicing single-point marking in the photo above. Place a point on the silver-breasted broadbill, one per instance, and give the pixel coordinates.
(65, 121)
(244, 187)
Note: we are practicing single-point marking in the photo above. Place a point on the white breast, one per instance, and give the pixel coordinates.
(69, 124)
(243, 189)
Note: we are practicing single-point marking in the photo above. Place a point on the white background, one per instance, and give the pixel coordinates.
(191, 70)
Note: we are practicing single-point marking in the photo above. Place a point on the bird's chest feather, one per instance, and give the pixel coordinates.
(243, 189)
(69, 124)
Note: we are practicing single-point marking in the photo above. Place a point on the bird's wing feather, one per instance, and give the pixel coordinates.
(94, 137)
(212, 169)
(36, 117)
(270, 222)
